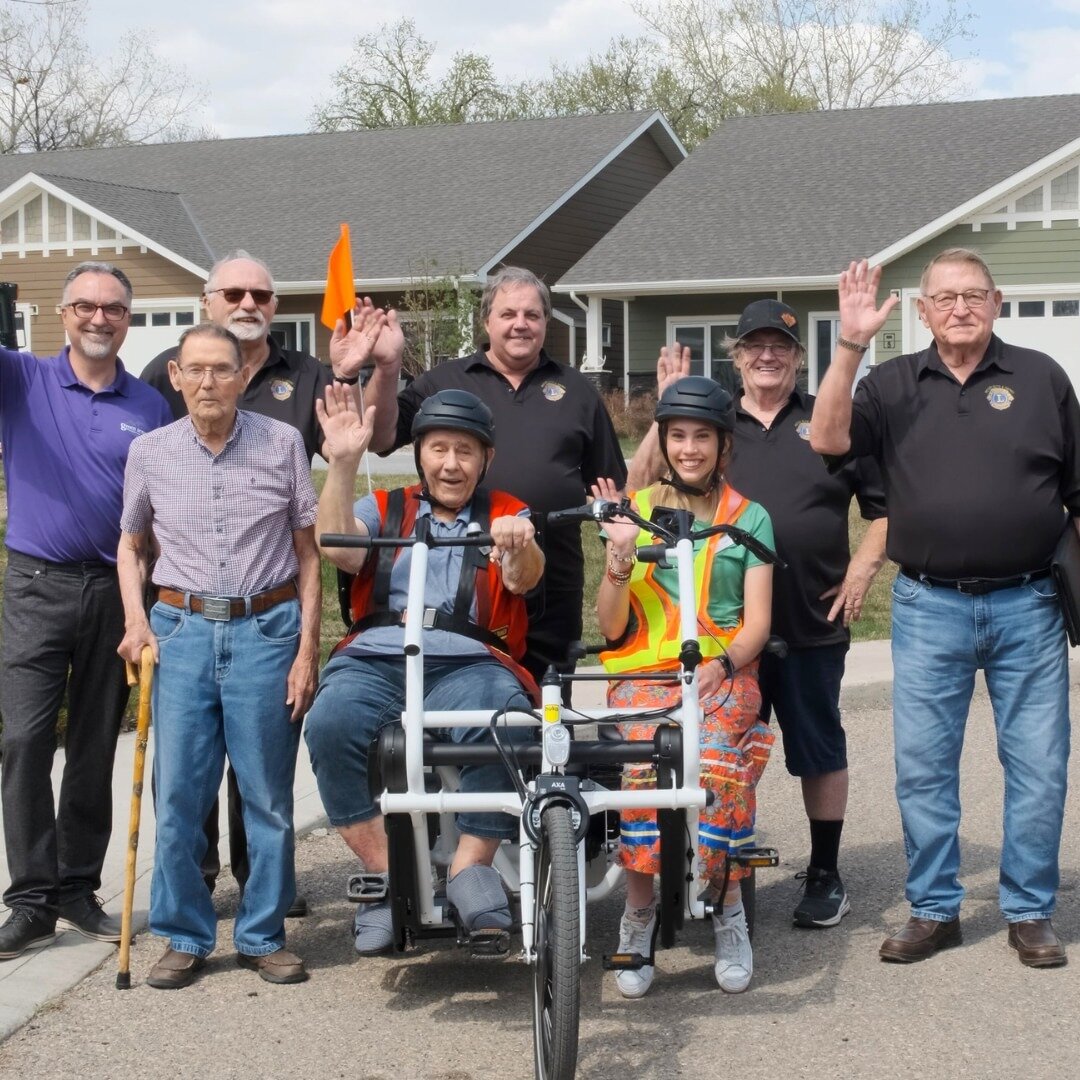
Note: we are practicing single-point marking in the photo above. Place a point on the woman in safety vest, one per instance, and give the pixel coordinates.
(638, 614)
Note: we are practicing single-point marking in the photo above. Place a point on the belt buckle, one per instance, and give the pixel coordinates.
(217, 608)
(971, 586)
(429, 618)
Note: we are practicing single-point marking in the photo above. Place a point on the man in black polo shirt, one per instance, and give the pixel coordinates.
(553, 437)
(979, 445)
(822, 589)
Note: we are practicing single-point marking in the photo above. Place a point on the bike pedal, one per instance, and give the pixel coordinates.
(757, 856)
(367, 888)
(489, 943)
(625, 961)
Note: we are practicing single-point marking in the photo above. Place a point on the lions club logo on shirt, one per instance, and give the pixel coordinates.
(282, 389)
(553, 391)
(802, 429)
(1000, 397)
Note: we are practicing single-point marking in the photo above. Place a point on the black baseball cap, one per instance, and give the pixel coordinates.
(768, 315)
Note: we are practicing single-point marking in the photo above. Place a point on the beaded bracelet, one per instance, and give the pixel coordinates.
(626, 560)
(617, 576)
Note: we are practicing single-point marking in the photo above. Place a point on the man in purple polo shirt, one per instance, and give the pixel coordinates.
(67, 422)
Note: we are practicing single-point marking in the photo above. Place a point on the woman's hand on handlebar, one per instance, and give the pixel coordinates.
(621, 532)
(346, 434)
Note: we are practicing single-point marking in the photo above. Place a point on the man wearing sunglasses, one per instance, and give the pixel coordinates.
(979, 444)
(68, 421)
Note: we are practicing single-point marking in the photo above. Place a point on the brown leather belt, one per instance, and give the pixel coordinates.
(224, 608)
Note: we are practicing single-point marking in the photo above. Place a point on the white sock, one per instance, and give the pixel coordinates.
(641, 915)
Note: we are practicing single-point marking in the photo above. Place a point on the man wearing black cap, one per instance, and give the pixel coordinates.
(820, 593)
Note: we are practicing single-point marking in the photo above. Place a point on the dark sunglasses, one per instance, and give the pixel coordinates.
(234, 296)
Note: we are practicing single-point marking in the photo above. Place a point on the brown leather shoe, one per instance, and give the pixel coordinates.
(1037, 944)
(276, 967)
(920, 938)
(174, 970)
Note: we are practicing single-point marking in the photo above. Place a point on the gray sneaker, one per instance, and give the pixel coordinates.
(734, 956)
(824, 901)
(636, 938)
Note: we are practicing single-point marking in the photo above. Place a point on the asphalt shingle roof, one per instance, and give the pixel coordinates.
(800, 194)
(456, 194)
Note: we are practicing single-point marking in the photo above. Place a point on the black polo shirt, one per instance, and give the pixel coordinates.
(776, 467)
(284, 388)
(975, 474)
(553, 438)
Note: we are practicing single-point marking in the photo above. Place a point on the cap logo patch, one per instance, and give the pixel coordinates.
(788, 319)
(802, 429)
(282, 389)
(553, 391)
(1000, 397)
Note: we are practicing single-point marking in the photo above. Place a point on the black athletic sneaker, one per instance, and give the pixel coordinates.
(824, 901)
(26, 928)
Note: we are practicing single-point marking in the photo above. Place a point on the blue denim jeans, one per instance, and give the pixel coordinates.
(940, 637)
(221, 688)
(359, 695)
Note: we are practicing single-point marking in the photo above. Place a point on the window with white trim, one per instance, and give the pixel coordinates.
(824, 330)
(1053, 198)
(705, 340)
(294, 332)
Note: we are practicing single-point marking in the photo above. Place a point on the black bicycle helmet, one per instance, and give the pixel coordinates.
(455, 410)
(697, 398)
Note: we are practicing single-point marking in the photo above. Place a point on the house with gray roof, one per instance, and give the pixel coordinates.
(777, 206)
(455, 200)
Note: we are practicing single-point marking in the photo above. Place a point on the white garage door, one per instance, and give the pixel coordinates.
(1047, 322)
(155, 328)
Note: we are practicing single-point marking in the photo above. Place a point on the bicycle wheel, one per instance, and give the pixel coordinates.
(556, 973)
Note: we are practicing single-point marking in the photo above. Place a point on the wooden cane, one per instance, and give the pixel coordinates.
(145, 680)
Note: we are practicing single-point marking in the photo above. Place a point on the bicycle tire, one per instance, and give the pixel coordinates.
(557, 971)
(748, 888)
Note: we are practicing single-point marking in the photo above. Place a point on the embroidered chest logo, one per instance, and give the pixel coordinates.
(1000, 397)
(802, 429)
(553, 391)
(282, 389)
(131, 429)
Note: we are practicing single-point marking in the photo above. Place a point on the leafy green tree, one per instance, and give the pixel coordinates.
(438, 316)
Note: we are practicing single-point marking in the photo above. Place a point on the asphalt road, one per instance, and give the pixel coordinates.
(821, 1003)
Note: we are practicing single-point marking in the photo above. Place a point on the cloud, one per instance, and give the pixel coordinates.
(1039, 62)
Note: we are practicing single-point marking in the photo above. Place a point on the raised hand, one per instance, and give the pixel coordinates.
(352, 347)
(860, 316)
(390, 345)
(346, 434)
(672, 365)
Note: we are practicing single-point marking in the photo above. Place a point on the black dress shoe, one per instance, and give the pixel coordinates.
(26, 928)
(1037, 944)
(299, 908)
(86, 917)
(920, 938)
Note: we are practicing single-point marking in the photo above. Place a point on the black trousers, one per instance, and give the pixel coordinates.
(61, 627)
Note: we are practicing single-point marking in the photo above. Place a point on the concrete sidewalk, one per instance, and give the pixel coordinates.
(40, 975)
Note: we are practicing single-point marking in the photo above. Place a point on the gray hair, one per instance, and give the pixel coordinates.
(732, 344)
(510, 277)
(956, 255)
(96, 268)
(236, 256)
(212, 330)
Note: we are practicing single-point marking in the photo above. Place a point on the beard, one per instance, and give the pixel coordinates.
(248, 327)
(96, 347)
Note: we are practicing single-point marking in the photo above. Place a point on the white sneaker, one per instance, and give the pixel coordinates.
(734, 956)
(633, 937)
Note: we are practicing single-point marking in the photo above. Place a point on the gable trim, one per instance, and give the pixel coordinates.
(657, 119)
(33, 180)
(990, 197)
(611, 289)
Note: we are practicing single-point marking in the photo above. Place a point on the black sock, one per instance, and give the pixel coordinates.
(825, 843)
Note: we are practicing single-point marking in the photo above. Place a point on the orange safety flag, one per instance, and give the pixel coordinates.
(340, 295)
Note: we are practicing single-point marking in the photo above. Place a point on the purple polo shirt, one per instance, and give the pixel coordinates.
(65, 447)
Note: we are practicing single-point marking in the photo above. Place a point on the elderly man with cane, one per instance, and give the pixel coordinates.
(228, 495)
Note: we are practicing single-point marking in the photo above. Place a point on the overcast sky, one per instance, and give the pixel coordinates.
(266, 63)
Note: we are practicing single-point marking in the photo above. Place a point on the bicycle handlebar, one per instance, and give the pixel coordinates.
(345, 540)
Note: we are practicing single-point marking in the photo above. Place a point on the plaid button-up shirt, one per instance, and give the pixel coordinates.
(224, 522)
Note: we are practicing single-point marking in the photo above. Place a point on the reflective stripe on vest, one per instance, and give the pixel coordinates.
(654, 633)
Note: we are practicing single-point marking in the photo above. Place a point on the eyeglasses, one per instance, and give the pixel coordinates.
(85, 310)
(234, 296)
(973, 299)
(195, 375)
(781, 348)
